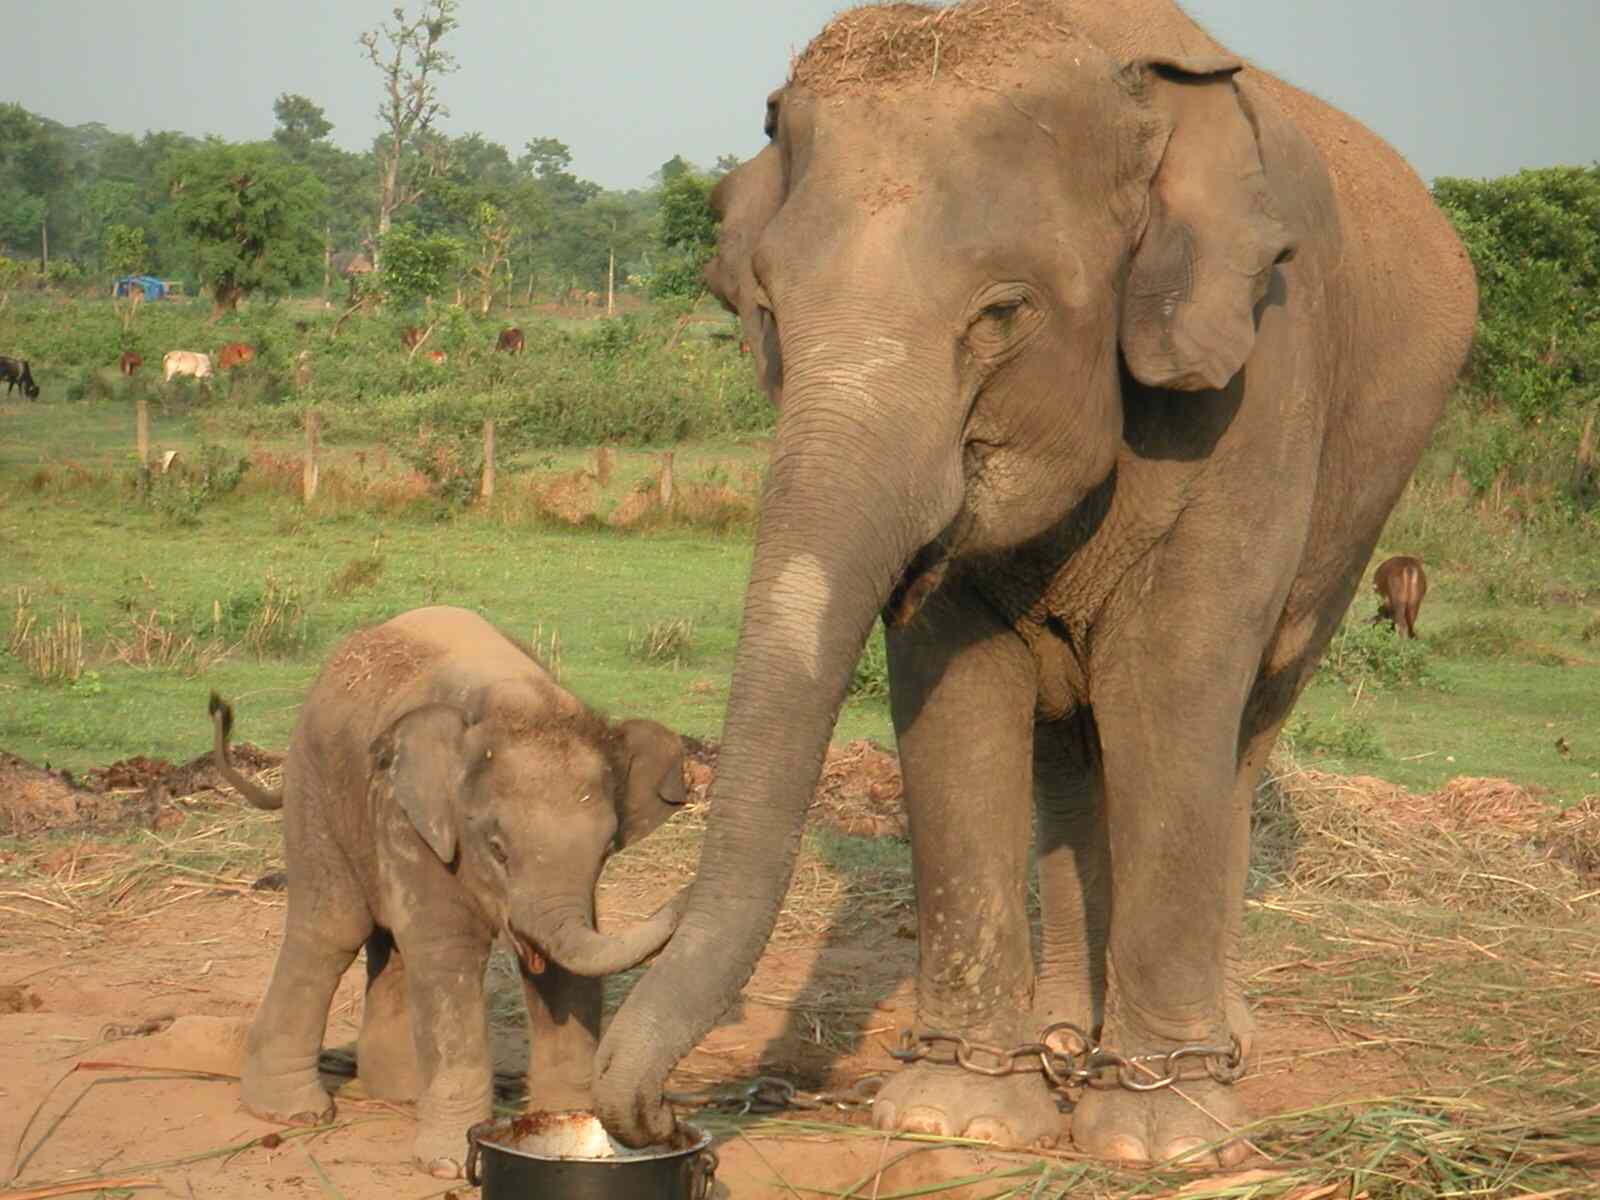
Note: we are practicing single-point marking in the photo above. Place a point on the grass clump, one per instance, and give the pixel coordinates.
(669, 641)
(1373, 655)
(53, 651)
(870, 679)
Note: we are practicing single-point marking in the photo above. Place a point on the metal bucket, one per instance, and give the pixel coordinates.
(569, 1156)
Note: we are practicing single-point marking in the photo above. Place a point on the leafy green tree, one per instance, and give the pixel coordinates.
(250, 215)
(417, 267)
(33, 170)
(1534, 238)
(686, 233)
(123, 250)
(301, 125)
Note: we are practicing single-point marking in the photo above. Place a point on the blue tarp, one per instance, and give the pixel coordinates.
(154, 289)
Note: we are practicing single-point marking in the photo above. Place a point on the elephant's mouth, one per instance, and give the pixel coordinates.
(533, 959)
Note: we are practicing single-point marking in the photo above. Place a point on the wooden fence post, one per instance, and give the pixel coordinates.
(486, 488)
(141, 438)
(308, 479)
(664, 480)
(602, 465)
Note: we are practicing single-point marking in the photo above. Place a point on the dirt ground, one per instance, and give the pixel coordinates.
(137, 943)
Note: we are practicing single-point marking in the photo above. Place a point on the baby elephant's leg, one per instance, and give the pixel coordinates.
(563, 1028)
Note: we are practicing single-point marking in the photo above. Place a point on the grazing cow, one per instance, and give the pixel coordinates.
(410, 336)
(1401, 585)
(129, 362)
(436, 357)
(16, 374)
(511, 341)
(234, 354)
(185, 362)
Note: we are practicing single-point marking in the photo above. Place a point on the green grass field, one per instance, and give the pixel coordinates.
(645, 618)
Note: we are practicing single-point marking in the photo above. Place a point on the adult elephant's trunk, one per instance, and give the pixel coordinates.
(861, 479)
(569, 938)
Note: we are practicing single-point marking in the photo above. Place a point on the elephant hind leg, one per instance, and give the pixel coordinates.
(280, 1081)
(386, 1054)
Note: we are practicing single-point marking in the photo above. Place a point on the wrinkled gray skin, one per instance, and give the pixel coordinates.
(441, 788)
(1097, 373)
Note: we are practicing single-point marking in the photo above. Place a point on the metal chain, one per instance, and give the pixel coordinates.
(1081, 1063)
(769, 1094)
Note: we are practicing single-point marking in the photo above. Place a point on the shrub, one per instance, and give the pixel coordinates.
(1374, 655)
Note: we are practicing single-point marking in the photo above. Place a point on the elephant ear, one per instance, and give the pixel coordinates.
(422, 757)
(652, 787)
(1212, 235)
(745, 200)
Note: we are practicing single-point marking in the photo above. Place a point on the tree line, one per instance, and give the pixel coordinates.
(85, 202)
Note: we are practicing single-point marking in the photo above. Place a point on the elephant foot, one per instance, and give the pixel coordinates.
(440, 1150)
(1013, 1110)
(1189, 1122)
(302, 1104)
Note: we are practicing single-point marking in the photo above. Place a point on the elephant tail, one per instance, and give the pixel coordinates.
(253, 793)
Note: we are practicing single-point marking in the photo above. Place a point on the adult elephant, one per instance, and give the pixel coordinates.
(1099, 361)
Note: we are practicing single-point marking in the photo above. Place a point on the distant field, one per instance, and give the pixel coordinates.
(1505, 670)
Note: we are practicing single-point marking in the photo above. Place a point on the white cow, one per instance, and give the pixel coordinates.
(185, 362)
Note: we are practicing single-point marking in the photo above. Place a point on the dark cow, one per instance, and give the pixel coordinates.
(410, 336)
(1401, 585)
(234, 354)
(511, 341)
(129, 362)
(16, 374)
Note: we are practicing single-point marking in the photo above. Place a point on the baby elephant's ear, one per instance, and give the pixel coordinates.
(654, 787)
(421, 759)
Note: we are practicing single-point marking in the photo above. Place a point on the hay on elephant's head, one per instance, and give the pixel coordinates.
(880, 44)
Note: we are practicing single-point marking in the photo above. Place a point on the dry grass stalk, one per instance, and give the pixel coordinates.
(22, 621)
(547, 650)
(666, 641)
(153, 643)
(53, 653)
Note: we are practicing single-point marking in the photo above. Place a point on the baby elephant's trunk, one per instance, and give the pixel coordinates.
(574, 944)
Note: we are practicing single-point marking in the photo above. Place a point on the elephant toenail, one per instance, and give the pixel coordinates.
(922, 1119)
(1191, 1150)
(1123, 1148)
(990, 1129)
(444, 1168)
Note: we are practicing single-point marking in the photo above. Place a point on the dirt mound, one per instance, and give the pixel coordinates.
(129, 791)
(859, 792)
(886, 44)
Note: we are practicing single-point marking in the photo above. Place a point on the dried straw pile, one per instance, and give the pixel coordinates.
(887, 44)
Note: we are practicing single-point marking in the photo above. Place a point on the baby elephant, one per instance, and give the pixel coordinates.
(1400, 585)
(439, 788)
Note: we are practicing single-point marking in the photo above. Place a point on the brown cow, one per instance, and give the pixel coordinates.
(436, 357)
(511, 341)
(1401, 585)
(234, 354)
(410, 336)
(129, 362)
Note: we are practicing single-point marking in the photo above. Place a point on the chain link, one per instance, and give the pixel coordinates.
(1080, 1062)
(1067, 1054)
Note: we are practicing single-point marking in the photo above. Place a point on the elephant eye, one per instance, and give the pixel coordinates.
(498, 849)
(1004, 310)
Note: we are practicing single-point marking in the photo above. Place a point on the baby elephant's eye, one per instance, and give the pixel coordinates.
(498, 849)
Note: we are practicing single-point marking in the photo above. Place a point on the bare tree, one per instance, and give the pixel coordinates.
(408, 56)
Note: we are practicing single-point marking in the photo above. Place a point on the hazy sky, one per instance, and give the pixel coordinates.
(1462, 87)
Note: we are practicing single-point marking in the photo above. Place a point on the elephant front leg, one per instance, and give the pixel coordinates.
(450, 1026)
(963, 705)
(1169, 727)
(563, 1030)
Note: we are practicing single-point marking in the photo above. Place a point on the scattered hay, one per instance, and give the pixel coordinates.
(880, 45)
(860, 792)
(568, 498)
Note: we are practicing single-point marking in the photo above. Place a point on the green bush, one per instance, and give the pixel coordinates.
(1374, 655)
(870, 680)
